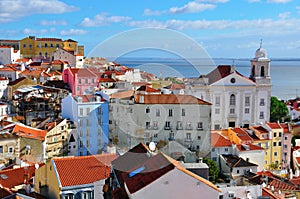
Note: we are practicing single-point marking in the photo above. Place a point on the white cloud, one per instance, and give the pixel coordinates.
(73, 32)
(103, 19)
(11, 11)
(191, 7)
(29, 31)
(278, 1)
(284, 15)
(53, 23)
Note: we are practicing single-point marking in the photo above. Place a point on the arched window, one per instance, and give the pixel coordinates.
(262, 71)
(253, 70)
(232, 100)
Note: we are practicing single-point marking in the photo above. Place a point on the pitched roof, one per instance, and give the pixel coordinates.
(82, 72)
(122, 94)
(14, 177)
(88, 169)
(169, 99)
(49, 39)
(248, 147)
(218, 140)
(274, 125)
(175, 86)
(148, 89)
(235, 161)
(29, 132)
(242, 134)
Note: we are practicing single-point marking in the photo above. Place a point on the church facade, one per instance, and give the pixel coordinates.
(237, 100)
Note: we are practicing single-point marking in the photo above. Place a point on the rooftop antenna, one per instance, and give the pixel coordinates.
(260, 43)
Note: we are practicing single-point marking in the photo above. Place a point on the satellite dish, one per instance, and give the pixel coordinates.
(152, 146)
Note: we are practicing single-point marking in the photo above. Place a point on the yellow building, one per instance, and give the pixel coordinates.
(45, 47)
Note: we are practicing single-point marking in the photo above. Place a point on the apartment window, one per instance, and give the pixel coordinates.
(87, 143)
(88, 110)
(261, 115)
(279, 134)
(188, 136)
(30, 46)
(266, 153)
(183, 112)
(68, 196)
(275, 134)
(81, 133)
(237, 171)
(274, 143)
(99, 121)
(147, 125)
(88, 123)
(10, 150)
(226, 149)
(199, 137)
(79, 80)
(147, 110)
(285, 146)
(88, 132)
(24, 45)
(99, 132)
(232, 100)
(247, 101)
(81, 111)
(279, 143)
(247, 110)
(171, 135)
(86, 80)
(285, 138)
(262, 102)
(170, 112)
(155, 135)
(275, 153)
(57, 45)
(155, 124)
(179, 125)
(200, 125)
(157, 112)
(217, 126)
(189, 126)
(80, 122)
(217, 102)
(51, 45)
(217, 111)
(231, 111)
(167, 124)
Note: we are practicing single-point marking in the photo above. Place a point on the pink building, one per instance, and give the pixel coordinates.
(82, 81)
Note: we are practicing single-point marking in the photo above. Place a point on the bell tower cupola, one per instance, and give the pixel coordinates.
(260, 67)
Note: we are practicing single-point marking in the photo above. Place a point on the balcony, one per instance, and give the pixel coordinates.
(167, 128)
(189, 128)
(179, 128)
(199, 129)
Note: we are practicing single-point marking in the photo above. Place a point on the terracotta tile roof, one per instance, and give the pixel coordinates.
(106, 80)
(242, 134)
(49, 39)
(218, 140)
(274, 125)
(23, 60)
(148, 89)
(265, 173)
(169, 99)
(140, 84)
(260, 129)
(122, 94)
(29, 132)
(175, 86)
(16, 176)
(5, 47)
(295, 181)
(88, 169)
(248, 147)
(285, 128)
(17, 81)
(32, 73)
(57, 62)
(82, 72)
(280, 185)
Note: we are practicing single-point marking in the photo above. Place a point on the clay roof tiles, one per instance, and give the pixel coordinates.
(88, 169)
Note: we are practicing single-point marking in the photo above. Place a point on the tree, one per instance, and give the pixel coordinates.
(213, 169)
(278, 110)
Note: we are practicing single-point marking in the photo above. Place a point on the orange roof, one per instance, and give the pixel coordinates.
(48, 39)
(252, 147)
(242, 134)
(82, 72)
(34, 73)
(122, 94)
(57, 62)
(218, 140)
(148, 89)
(273, 125)
(22, 60)
(15, 177)
(88, 169)
(169, 99)
(285, 128)
(29, 132)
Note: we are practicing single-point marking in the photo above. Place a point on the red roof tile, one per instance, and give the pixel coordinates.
(242, 134)
(49, 39)
(218, 140)
(88, 169)
(274, 125)
(29, 132)
(106, 80)
(251, 147)
(148, 89)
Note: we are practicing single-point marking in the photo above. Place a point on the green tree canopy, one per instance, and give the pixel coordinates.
(213, 168)
(278, 110)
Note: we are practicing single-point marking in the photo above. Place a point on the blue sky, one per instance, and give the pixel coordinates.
(224, 28)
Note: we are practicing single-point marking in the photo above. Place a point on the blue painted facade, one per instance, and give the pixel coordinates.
(90, 115)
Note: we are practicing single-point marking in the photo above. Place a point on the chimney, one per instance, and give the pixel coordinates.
(232, 69)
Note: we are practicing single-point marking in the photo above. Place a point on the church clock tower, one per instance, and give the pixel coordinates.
(260, 67)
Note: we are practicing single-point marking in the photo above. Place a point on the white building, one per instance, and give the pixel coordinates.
(74, 60)
(236, 100)
(160, 117)
(8, 55)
